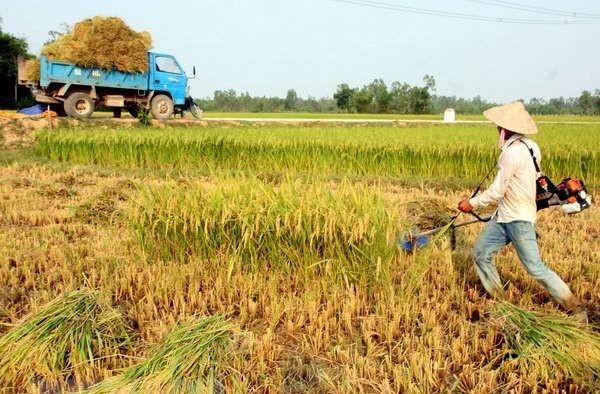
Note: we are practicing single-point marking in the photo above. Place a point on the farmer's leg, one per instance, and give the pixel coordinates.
(522, 235)
(491, 239)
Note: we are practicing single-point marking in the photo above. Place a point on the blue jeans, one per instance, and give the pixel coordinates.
(522, 235)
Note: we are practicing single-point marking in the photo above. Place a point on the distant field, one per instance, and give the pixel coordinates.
(302, 115)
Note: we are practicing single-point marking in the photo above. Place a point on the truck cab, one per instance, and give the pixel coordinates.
(166, 75)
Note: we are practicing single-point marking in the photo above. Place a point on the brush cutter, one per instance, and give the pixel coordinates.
(413, 240)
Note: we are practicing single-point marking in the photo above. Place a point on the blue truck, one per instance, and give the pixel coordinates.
(162, 89)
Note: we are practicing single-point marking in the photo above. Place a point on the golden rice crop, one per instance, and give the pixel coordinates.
(290, 226)
(446, 155)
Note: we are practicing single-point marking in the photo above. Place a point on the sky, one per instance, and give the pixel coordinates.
(265, 47)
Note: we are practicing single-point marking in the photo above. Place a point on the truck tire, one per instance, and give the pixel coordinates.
(79, 105)
(196, 111)
(162, 107)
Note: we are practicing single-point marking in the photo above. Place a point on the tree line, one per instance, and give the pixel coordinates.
(231, 101)
(375, 97)
(399, 98)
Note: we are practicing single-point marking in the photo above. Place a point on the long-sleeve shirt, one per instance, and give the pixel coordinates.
(514, 187)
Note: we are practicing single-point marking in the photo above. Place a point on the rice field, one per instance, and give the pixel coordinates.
(426, 152)
(438, 117)
(246, 259)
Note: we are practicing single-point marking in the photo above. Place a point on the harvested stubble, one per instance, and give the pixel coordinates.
(189, 360)
(104, 207)
(77, 336)
(103, 42)
(554, 346)
(347, 230)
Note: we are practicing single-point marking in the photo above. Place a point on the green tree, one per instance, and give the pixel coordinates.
(429, 81)
(363, 100)
(597, 102)
(226, 100)
(291, 100)
(419, 99)
(381, 96)
(399, 98)
(586, 102)
(343, 97)
(11, 48)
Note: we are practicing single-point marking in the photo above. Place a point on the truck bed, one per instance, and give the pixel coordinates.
(64, 72)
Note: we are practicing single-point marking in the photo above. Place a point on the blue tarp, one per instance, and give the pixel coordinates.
(33, 110)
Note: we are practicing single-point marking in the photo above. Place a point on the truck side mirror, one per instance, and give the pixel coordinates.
(194, 70)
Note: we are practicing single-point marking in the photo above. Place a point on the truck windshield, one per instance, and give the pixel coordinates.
(168, 65)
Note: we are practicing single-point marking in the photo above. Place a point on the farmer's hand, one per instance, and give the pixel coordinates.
(465, 206)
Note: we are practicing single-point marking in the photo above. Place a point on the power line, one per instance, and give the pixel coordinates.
(537, 10)
(459, 15)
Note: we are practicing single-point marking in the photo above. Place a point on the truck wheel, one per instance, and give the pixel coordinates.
(162, 107)
(79, 105)
(196, 111)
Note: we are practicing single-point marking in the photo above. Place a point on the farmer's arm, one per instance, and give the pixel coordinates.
(506, 169)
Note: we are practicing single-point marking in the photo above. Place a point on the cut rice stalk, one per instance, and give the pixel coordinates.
(187, 361)
(551, 343)
(75, 337)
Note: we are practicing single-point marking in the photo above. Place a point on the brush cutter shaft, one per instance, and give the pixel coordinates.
(466, 223)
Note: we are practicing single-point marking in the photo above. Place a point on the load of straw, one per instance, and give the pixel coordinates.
(550, 343)
(102, 42)
(428, 214)
(75, 337)
(32, 69)
(187, 361)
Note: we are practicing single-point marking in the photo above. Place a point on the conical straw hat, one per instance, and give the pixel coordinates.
(513, 117)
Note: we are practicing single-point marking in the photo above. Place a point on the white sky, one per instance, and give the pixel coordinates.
(265, 47)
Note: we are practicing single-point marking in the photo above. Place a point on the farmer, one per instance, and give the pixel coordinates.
(514, 190)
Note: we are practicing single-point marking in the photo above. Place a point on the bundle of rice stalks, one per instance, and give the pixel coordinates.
(429, 214)
(32, 69)
(103, 42)
(187, 361)
(76, 338)
(549, 344)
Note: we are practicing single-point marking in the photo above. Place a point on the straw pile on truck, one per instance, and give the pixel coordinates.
(99, 42)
